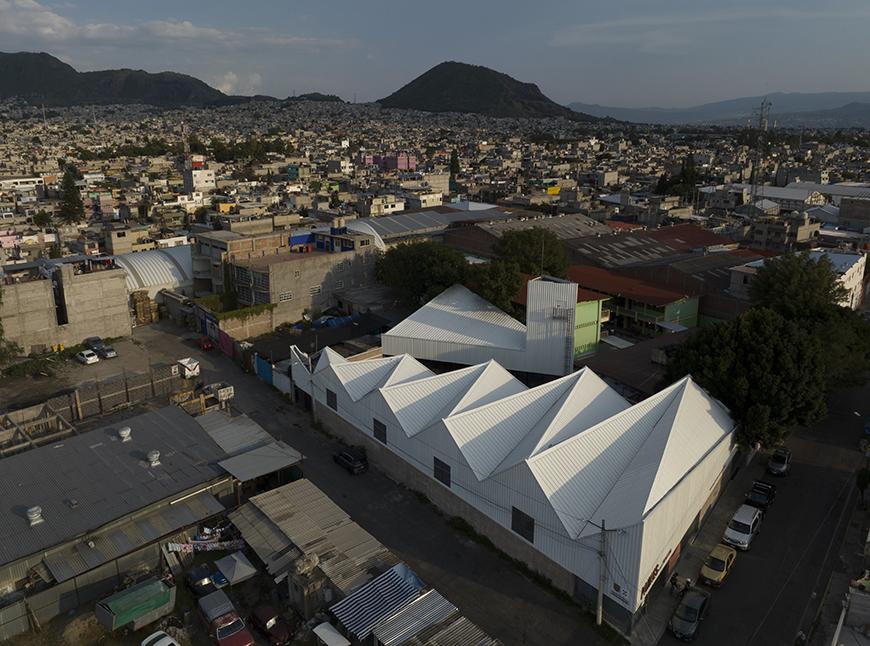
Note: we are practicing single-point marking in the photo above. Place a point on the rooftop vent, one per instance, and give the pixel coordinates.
(125, 433)
(72, 503)
(153, 458)
(34, 516)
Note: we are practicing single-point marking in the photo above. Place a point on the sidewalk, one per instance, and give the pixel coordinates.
(661, 603)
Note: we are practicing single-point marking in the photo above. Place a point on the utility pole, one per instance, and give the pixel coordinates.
(602, 576)
(763, 116)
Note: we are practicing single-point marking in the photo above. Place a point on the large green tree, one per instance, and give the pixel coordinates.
(768, 370)
(41, 219)
(798, 286)
(70, 210)
(420, 271)
(497, 282)
(535, 251)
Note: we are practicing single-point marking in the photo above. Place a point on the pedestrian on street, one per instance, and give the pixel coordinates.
(674, 581)
(688, 585)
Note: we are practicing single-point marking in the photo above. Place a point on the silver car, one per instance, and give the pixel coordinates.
(743, 527)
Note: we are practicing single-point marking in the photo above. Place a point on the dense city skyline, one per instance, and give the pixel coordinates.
(630, 55)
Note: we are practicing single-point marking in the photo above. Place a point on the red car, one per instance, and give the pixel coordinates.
(205, 343)
(270, 622)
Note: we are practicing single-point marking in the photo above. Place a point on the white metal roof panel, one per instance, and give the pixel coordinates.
(170, 268)
(460, 316)
(359, 378)
(424, 611)
(261, 460)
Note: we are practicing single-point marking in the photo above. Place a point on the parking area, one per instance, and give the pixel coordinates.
(774, 588)
(488, 590)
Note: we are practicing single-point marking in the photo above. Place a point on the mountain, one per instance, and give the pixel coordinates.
(459, 87)
(734, 111)
(42, 78)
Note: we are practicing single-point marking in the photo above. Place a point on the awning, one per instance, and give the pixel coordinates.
(616, 342)
(671, 327)
(327, 634)
(261, 461)
(236, 567)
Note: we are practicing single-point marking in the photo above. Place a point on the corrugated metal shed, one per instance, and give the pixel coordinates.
(81, 557)
(426, 610)
(299, 519)
(359, 378)
(87, 481)
(261, 460)
(377, 600)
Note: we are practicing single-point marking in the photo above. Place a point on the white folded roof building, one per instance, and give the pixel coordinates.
(460, 327)
(551, 464)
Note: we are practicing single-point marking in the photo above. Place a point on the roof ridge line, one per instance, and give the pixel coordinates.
(434, 376)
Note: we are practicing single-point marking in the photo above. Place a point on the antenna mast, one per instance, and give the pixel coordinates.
(188, 164)
(763, 117)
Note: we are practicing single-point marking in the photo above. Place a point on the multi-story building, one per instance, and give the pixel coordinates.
(786, 233)
(855, 213)
(214, 248)
(377, 205)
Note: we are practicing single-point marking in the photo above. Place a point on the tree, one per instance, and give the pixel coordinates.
(54, 251)
(454, 163)
(42, 219)
(768, 370)
(798, 286)
(71, 209)
(420, 271)
(535, 251)
(498, 282)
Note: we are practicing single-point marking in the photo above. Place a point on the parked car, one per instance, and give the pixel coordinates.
(199, 580)
(269, 621)
(743, 527)
(687, 618)
(87, 357)
(352, 461)
(718, 565)
(225, 626)
(779, 463)
(159, 638)
(761, 495)
(96, 344)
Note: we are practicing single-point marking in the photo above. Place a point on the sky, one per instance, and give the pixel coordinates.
(628, 53)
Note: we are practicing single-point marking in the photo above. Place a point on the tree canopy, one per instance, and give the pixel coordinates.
(534, 251)
(71, 209)
(420, 271)
(768, 370)
(41, 219)
(797, 286)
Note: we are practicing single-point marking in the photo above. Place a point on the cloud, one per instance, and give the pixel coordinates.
(673, 31)
(226, 83)
(44, 25)
(231, 83)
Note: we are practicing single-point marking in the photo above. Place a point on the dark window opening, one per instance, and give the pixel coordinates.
(523, 524)
(442, 472)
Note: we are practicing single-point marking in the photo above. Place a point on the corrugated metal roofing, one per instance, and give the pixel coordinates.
(236, 434)
(261, 460)
(81, 557)
(359, 378)
(460, 316)
(328, 357)
(377, 600)
(424, 611)
(620, 468)
(107, 479)
(170, 268)
(298, 518)
(459, 632)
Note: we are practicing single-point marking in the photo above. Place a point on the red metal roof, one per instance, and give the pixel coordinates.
(608, 282)
(685, 237)
(583, 295)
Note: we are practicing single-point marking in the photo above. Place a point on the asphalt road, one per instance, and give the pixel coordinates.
(775, 587)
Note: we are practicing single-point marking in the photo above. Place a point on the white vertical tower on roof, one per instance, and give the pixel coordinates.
(551, 310)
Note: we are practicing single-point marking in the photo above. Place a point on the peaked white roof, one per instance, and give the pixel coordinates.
(359, 378)
(328, 357)
(621, 468)
(421, 403)
(458, 315)
(500, 431)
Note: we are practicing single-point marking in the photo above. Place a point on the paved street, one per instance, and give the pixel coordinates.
(487, 589)
(770, 594)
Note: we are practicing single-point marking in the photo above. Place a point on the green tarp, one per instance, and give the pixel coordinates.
(130, 604)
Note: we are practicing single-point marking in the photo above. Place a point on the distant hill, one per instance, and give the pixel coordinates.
(42, 78)
(459, 87)
(786, 107)
(316, 96)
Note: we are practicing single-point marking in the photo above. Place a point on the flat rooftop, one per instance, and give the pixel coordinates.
(86, 481)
